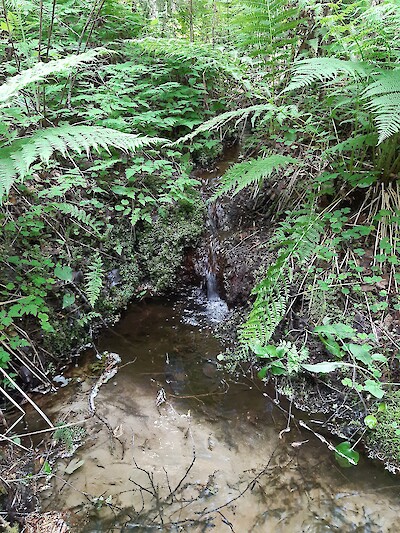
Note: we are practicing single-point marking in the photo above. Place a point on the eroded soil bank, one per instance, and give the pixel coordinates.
(177, 445)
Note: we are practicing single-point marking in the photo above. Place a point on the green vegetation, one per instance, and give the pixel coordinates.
(106, 107)
(384, 435)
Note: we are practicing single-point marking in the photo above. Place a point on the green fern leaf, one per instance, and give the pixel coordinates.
(42, 70)
(250, 172)
(78, 214)
(358, 142)
(205, 56)
(308, 71)
(384, 96)
(94, 280)
(222, 119)
(16, 160)
(271, 293)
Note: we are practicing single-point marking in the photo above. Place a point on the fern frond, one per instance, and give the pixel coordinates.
(384, 96)
(222, 119)
(250, 172)
(16, 160)
(39, 72)
(308, 71)
(266, 314)
(204, 55)
(78, 214)
(358, 142)
(94, 280)
(299, 239)
(268, 28)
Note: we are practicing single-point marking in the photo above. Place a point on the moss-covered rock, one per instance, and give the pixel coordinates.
(384, 440)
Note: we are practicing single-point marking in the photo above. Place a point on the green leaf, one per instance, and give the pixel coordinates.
(375, 388)
(370, 421)
(345, 456)
(339, 330)
(46, 468)
(333, 347)
(63, 272)
(322, 368)
(4, 357)
(278, 368)
(347, 382)
(360, 352)
(68, 300)
(379, 358)
(262, 373)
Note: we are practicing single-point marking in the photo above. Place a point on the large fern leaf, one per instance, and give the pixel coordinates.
(94, 280)
(220, 120)
(250, 172)
(41, 71)
(268, 28)
(16, 160)
(308, 71)
(384, 101)
(297, 239)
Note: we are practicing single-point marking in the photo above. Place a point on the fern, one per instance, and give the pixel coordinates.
(41, 71)
(384, 96)
(268, 309)
(297, 239)
(94, 280)
(17, 159)
(250, 172)
(383, 93)
(222, 119)
(358, 142)
(78, 214)
(205, 56)
(269, 28)
(308, 71)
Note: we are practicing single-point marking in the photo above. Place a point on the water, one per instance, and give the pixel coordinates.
(168, 407)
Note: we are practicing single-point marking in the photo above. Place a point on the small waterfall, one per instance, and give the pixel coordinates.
(208, 302)
(211, 266)
(217, 308)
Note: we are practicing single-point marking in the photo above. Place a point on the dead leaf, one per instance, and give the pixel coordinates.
(74, 465)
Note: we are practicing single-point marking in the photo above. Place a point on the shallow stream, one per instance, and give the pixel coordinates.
(177, 445)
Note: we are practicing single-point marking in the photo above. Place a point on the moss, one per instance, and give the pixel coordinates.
(384, 440)
(161, 248)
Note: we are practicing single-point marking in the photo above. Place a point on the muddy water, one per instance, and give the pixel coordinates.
(176, 445)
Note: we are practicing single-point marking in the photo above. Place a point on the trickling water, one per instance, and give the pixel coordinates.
(211, 268)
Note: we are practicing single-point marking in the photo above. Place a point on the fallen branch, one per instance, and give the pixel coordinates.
(111, 360)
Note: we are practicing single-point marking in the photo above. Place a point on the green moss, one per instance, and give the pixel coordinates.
(152, 256)
(384, 440)
(161, 248)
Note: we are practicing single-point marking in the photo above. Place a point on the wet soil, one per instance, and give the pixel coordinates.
(176, 445)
